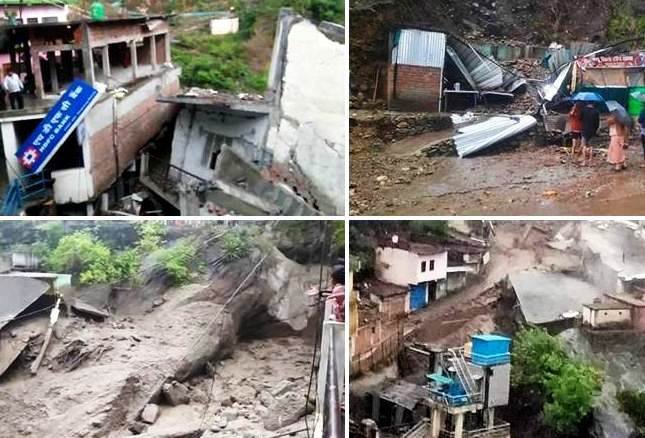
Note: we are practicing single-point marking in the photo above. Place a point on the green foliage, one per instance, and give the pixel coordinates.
(625, 24)
(432, 228)
(81, 253)
(180, 261)
(218, 62)
(568, 386)
(537, 357)
(633, 404)
(572, 392)
(151, 235)
(235, 245)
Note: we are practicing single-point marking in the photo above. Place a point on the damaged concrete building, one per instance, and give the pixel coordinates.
(129, 60)
(281, 153)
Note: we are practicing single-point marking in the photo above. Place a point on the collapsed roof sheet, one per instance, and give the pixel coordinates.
(404, 394)
(545, 296)
(484, 72)
(419, 48)
(16, 294)
(478, 136)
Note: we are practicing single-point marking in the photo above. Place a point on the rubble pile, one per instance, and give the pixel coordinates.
(157, 379)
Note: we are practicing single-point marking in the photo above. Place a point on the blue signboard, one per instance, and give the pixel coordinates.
(57, 125)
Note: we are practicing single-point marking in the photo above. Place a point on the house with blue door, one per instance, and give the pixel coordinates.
(421, 268)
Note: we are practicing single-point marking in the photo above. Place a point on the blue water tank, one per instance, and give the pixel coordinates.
(490, 350)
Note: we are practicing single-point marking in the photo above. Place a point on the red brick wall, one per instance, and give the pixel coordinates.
(136, 128)
(416, 88)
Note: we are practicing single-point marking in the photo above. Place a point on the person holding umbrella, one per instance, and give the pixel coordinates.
(590, 121)
(616, 152)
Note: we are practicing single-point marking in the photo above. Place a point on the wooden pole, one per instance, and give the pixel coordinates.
(53, 317)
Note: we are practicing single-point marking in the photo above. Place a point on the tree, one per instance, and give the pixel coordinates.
(571, 392)
(566, 386)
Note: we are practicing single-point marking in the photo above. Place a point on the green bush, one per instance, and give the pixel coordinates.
(633, 404)
(151, 235)
(235, 245)
(180, 261)
(625, 24)
(567, 386)
(218, 62)
(81, 253)
(571, 396)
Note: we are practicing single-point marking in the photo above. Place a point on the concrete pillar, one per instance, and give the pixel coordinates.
(153, 52)
(53, 73)
(105, 202)
(398, 415)
(106, 62)
(89, 208)
(145, 164)
(459, 425)
(490, 418)
(188, 202)
(38, 76)
(167, 44)
(436, 423)
(88, 59)
(133, 59)
(10, 146)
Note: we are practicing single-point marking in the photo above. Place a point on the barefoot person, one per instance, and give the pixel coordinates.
(616, 152)
(590, 125)
(575, 125)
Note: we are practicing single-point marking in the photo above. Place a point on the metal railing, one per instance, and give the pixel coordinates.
(168, 177)
(22, 190)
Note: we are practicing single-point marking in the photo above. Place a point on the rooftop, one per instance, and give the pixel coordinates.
(242, 104)
(404, 394)
(546, 296)
(628, 299)
(607, 306)
(384, 289)
(414, 247)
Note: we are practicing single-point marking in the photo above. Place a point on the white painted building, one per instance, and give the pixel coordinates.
(417, 264)
(607, 315)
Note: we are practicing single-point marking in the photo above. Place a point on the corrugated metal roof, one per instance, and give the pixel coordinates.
(486, 74)
(478, 136)
(420, 48)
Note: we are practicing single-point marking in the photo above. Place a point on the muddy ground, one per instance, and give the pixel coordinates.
(525, 179)
(481, 306)
(98, 375)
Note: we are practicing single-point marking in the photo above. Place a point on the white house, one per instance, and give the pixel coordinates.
(607, 315)
(421, 267)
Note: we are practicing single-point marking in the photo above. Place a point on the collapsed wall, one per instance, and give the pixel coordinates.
(309, 81)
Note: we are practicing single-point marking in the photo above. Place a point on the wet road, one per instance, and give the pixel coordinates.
(529, 180)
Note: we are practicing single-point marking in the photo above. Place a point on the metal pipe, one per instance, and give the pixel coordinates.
(332, 427)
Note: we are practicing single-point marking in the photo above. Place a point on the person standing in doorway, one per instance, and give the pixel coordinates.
(14, 87)
(590, 125)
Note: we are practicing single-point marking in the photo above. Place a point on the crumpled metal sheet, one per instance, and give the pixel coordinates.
(478, 136)
(16, 294)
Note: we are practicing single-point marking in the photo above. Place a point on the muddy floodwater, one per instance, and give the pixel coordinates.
(527, 180)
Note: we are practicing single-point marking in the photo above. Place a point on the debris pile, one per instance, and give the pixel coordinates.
(144, 369)
(391, 125)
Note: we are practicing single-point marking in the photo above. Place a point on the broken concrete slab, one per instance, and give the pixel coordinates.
(176, 393)
(17, 294)
(87, 309)
(10, 349)
(150, 413)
